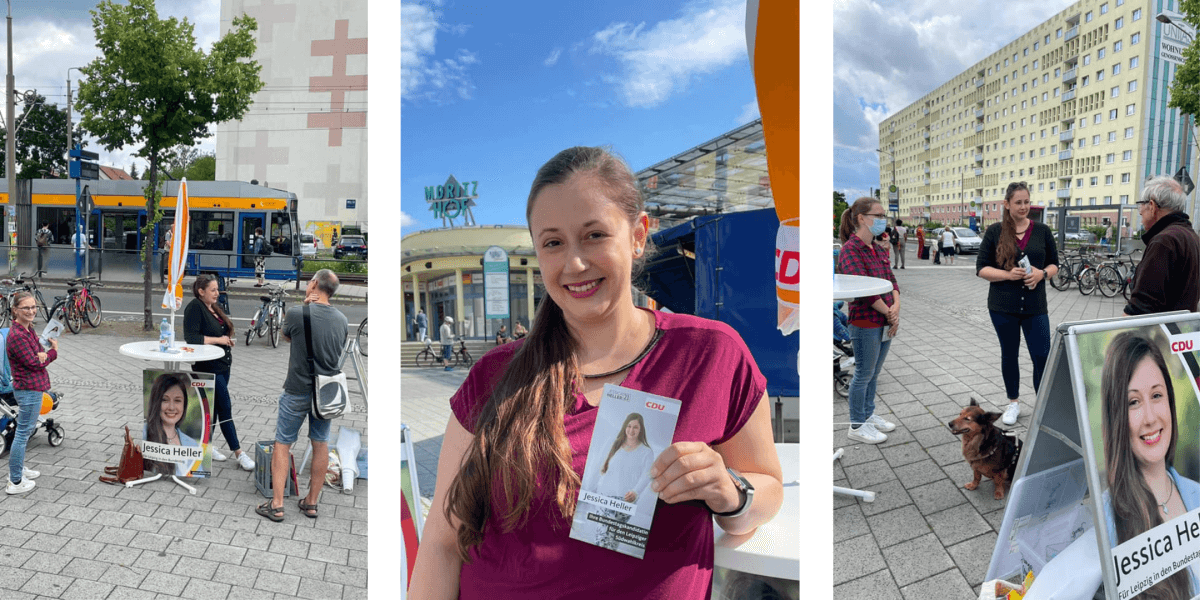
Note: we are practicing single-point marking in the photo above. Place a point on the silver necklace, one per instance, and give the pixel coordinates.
(1170, 494)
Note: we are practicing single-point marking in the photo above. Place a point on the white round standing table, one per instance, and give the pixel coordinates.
(772, 550)
(187, 353)
(849, 287)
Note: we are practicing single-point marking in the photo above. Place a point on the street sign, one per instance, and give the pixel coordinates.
(495, 283)
(1184, 180)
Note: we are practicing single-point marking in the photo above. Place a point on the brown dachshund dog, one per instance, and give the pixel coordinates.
(992, 454)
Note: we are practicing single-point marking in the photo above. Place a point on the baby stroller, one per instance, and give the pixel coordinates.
(8, 406)
(843, 353)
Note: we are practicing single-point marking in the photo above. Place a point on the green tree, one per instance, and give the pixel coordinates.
(133, 172)
(839, 207)
(41, 140)
(152, 86)
(1185, 90)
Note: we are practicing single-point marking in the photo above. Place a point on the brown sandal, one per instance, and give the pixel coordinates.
(306, 508)
(266, 510)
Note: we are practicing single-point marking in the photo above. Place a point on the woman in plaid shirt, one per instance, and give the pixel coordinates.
(28, 361)
(873, 319)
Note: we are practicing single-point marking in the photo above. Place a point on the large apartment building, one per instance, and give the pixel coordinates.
(1076, 107)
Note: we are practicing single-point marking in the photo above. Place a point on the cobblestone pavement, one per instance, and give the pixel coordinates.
(75, 537)
(925, 536)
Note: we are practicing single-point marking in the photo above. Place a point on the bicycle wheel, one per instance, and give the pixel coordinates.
(5, 312)
(841, 383)
(1127, 286)
(465, 357)
(361, 337)
(273, 325)
(425, 358)
(1087, 281)
(255, 325)
(41, 304)
(1109, 280)
(92, 311)
(1061, 279)
(74, 319)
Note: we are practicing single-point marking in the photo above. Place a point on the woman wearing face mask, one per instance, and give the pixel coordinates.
(872, 318)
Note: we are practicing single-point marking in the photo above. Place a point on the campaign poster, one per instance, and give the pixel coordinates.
(178, 422)
(616, 504)
(1141, 391)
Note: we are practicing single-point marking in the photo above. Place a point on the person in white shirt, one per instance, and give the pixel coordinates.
(948, 244)
(446, 332)
(624, 475)
(901, 237)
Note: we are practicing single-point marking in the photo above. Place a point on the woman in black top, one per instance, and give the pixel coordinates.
(205, 323)
(1017, 300)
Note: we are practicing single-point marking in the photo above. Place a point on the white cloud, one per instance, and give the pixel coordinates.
(660, 60)
(553, 58)
(422, 76)
(406, 221)
(749, 113)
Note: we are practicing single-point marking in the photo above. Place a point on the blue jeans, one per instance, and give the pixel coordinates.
(1037, 340)
(293, 409)
(224, 409)
(869, 354)
(29, 404)
(447, 352)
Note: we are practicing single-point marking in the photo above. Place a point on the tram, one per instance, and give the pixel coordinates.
(224, 216)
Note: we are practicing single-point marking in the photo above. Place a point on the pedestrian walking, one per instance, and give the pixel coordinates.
(518, 439)
(1016, 297)
(43, 238)
(422, 325)
(948, 237)
(921, 251)
(873, 321)
(257, 242)
(30, 380)
(898, 242)
(205, 323)
(1165, 279)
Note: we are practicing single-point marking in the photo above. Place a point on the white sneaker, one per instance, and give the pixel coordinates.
(881, 424)
(245, 462)
(216, 454)
(20, 488)
(27, 473)
(867, 433)
(1011, 413)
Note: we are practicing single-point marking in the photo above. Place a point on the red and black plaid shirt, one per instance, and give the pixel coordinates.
(27, 371)
(857, 258)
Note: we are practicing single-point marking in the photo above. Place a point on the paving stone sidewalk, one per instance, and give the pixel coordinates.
(925, 536)
(75, 537)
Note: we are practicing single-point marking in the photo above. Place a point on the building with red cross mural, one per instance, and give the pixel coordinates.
(307, 129)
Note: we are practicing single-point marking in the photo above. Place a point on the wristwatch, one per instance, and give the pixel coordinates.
(745, 491)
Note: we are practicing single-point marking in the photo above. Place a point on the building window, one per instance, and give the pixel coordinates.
(1112, 136)
(1117, 69)
(1084, 83)
(1088, 17)
(1110, 159)
(1119, 23)
(1082, 142)
(1058, 33)
(1096, 119)
(1133, 62)
(1057, 72)
(1116, 91)
(1108, 180)
(1026, 53)
(1137, 14)
(1135, 38)
(1104, 8)
(1128, 133)
(1130, 109)
(1087, 59)
(1117, 46)
(1127, 155)
(1096, 140)
(1124, 177)
(1100, 54)
(1100, 75)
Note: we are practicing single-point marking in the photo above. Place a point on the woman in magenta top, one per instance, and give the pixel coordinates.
(513, 455)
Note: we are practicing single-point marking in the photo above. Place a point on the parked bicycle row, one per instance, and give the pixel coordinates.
(79, 304)
(1110, 273)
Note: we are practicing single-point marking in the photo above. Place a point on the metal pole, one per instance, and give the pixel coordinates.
(10, 143)
(69, 142)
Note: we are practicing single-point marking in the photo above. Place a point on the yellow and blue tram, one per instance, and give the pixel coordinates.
(224, 216)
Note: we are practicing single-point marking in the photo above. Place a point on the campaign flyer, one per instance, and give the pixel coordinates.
(616, 504)
(178, 412)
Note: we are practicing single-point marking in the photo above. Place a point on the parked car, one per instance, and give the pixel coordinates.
(1083, 236)
(308, 245)
(351, 245)
(967, 241)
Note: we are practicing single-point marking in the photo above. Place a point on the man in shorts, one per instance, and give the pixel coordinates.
(329, 331)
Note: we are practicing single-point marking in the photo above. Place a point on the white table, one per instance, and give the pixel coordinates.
(772, 550)
(849, 287)
(148, 350)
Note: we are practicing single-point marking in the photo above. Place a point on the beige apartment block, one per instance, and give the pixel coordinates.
(1076, 107)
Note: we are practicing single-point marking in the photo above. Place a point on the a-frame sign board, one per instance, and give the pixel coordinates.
(1049, 507)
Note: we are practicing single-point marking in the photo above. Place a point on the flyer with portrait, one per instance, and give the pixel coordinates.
(177, 431)
(1141, 388)
(616, 504)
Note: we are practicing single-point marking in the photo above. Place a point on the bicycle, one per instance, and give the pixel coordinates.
(88, 303)
(360, 338)
(427, 357)
(268, 319)
(461, 356)
(67, 310)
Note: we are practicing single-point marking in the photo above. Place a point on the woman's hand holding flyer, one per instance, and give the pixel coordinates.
(694, 471)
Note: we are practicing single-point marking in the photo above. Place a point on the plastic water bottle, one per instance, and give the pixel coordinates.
(166, 336)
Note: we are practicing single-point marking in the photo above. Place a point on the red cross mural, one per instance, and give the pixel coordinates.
(268, 14)
(260, 156)
(338, 83)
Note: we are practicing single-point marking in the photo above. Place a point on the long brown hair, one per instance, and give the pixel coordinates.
(519, 436)
(621, 437)
(850, 216)
(1134, 505)
(1006, 249)
(202, 281)
(154, 427)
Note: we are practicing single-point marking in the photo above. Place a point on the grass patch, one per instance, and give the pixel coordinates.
(337, 266)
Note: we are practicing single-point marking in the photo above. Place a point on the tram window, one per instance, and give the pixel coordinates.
(61, 220)
(211, 230)
(281, 233)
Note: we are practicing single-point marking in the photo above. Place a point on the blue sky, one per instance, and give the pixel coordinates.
(887, 54)
(489, 94)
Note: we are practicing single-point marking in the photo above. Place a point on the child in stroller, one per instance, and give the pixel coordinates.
(8, 407)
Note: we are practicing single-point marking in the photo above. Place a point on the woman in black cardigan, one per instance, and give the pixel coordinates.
(205, 323)
(1017, 299)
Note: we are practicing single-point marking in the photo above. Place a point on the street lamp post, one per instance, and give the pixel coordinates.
(893, 159)
(10, 143)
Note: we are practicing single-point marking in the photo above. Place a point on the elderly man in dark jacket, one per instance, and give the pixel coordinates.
(1166, 279)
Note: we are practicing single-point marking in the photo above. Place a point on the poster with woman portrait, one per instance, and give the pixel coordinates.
(177, 432)
(1142, 411)
(616, 503)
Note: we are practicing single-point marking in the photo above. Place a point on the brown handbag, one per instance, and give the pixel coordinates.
(130, 468)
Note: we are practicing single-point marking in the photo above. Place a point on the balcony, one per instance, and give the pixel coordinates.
(1067, 136)
(926, 145)
(1064, 155)
(1069, 76)
(926, 181)
(1071, 34)
(978, 200)
(1068, 95)
(926, 170)
(978, 158)
(979, 113)
(926, 110)
(978, 83)
(978, 127)
(978, 172)
(1064, 194)
(926, 134)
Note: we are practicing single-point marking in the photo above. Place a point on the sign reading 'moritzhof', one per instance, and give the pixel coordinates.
(452, 200)
(177, 433)
(495, 283)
